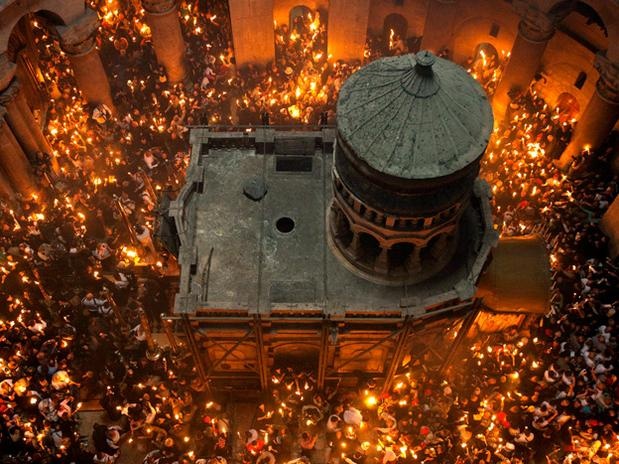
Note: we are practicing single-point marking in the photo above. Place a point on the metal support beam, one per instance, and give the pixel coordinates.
(229, 350)
(468, 322)
(263, 369)
(195, 351)
(366, 350)
(310, 319)
(215, 343)
(398, 354)
(324, 354)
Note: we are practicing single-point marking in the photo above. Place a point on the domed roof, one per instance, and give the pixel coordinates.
(414, 116)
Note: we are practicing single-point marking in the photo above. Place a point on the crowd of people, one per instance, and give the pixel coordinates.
(302, 84)
(82, 279)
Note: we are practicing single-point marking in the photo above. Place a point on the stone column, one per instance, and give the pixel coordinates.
(78, 42)
(14, 161)
(600, 114)
(6, 189)
(438, 27)
(162, 18)
(252, 31)
(347, 29)
(382, 261)
(414, 260)
(534, 31)
(22, 122)
(610, 226)
(341, 223)
(37, 132)
(355, 249)
(439, 246)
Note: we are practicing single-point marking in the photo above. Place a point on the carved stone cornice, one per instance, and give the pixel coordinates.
(3, 113)
(535, 25)
(78, 38)
(7, 71)
(607, 85)
(10, 93)
(159, 6)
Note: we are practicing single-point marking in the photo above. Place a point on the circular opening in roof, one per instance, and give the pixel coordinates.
(285, 225)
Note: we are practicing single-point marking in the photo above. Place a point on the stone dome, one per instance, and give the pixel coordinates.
(414, 116)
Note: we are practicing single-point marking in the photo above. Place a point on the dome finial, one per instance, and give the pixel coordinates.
(425, 59)
(420, 80)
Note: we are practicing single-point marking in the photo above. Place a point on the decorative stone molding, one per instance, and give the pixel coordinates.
(607, 85)
(7, 71)
(78, 38)
(3, 113)
(10, 93)
(536, 28)
(535, 25)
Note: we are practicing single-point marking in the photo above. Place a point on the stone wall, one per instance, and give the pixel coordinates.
(281, 8)
(563, 60)
(11, 11)
(473, 23)
(414, 11)
(252, 31)
(347, 31)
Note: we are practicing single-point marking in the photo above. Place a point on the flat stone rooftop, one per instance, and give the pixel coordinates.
(235, 256)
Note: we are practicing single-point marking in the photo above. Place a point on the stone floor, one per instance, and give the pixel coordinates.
(90, 414)
(242, 415)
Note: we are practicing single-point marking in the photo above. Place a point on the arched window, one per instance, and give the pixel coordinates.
(399, 253)
(395, 30)
(568, 106)
(296, 15)
(580, 80)
(494, 30)
(370, 246)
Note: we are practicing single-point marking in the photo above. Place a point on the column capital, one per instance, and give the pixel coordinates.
(535, 25)
(607, 85)
(159, 6)
(78, 38)
(7, 71)
(10, 92)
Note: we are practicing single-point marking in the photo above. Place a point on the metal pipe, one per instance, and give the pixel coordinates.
(262, 367)
(193, 347)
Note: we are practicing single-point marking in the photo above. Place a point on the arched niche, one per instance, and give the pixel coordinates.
(476, 30)
(486, 51)
(21, 50)
(56, 12)
(301, 355)
(296, 15)
(397, 23)
(568, 106)
(370, 246)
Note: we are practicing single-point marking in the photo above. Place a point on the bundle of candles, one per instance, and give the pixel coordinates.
(487, 68)
(303, 82)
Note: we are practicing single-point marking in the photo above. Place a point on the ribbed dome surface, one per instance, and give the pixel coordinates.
(414, 116)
